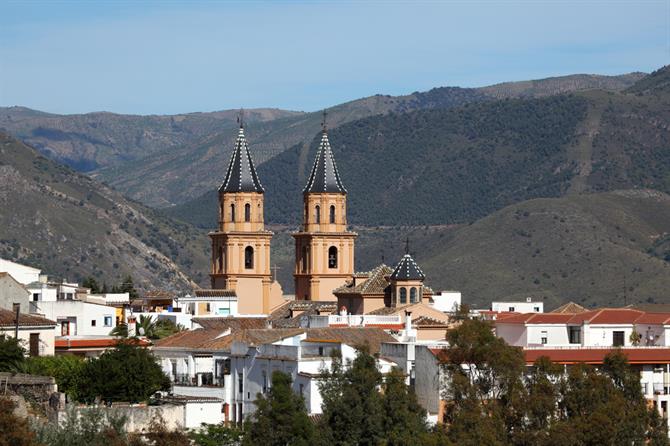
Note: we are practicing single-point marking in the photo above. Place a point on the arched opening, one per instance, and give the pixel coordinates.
(232, 211)
(412, 295)
(332, 257)
(248, 257)
(317, 214)
(247, 212)
(403, 295)
(304, 259)
(332, 214)
(220, 259)
(260, 213)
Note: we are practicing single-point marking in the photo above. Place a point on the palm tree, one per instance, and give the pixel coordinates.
(152, 328)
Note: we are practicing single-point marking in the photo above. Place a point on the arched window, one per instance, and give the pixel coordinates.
(220, 259)
(305, 260)
(260, 212)
(317, 214)
(232, 211)
(332, 214)
(248, 257)
(332, 257)
(412, 295)
(403, 295)
(247, 212)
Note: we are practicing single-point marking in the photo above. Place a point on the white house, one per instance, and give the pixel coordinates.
(36, 333)
(79, 318)
(301, 353)
(446, 301)
(527, 306)
(13, 292)
(22, 273)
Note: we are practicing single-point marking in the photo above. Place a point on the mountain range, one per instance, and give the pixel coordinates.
(554, 189)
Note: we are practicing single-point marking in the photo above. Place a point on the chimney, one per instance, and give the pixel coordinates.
(132, 327)
(408, 322)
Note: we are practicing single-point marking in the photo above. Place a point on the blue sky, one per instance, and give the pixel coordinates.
(174, 56)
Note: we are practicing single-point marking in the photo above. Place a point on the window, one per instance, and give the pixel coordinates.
(302, 390)
(173, 367)
(232, 212)
(248, 257)
(34, 344)
(536, 309)
(403, 295)
(209, 308)
(108, 321)
(240, 384)
(247, 212)
(543, 337)
(511, 309)
(332, 257)
(305, 260)
(69, 296)
(617, 339)
(317, 214)
(220, 259)
(93, 322)
(332, 214)
(575, 335)
(320, 351)
(265, 382)
(36, 297)
(412, 295)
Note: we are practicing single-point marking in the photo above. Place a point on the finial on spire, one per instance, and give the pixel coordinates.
(240, 117)
(407, 245)
(324, 123)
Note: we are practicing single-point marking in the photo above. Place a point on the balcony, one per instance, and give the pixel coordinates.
(200, 380)
(355, 320)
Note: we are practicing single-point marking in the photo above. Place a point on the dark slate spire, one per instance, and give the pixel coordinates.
(241, 175)
(324, 176)
(407, 269)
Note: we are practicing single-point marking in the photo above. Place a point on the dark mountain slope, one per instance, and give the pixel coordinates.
(430, 167)
(71, 227)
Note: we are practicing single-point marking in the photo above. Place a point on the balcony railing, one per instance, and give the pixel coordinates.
(200, 380)
(355, 320)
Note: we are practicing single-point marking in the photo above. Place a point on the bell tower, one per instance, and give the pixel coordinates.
(324, 249)
(241, 245)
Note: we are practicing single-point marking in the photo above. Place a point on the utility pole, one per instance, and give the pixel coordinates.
(17, 311)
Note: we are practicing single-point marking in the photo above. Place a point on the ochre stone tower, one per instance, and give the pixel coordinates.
(324, 249)
(241, 245)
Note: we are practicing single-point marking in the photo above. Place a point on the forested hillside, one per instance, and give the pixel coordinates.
(443, 166)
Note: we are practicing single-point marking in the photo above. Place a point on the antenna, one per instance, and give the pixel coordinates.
(324, 123)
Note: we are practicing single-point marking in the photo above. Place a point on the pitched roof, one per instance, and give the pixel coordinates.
(654, 319)
(536, 318)
(354, 336)
(8, 319)
(607, 316)
(230, 322)
(158, 294)
(241, 175)
(376, 283)
(189, 339)
(282, 317)
(637, 355)
(652, 308)
(215, 293)
(569, 307)
(324, 176)
(407, 269)
(268, 335)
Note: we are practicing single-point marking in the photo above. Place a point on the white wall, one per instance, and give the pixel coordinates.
(601, 335)
(556, 334)
(513, 334)
(198, 412)
(83, 313)
(22, 273)
(447, 301)
(47, 338)
(12, 292)
(519, 307)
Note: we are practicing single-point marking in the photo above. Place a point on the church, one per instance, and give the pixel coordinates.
(324, 247)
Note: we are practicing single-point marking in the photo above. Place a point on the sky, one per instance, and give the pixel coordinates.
(167, 57)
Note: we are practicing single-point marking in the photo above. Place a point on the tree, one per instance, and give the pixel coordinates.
(280, 418)
(404, 420)
(14, 431)
(12, 353)
(129, 287)
(126, 373)
(66, 369)
(92, 284)
(216, 435)
(150, 327)
(88, 427)
(352, 405)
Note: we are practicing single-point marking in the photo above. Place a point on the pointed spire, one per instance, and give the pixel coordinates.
(241, 175)
(324, 176)
(407, 269)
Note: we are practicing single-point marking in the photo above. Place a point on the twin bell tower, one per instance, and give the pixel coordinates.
(324, 249)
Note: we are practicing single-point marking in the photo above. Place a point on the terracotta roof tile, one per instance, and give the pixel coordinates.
(189, 339)
(8, 319)
(607, 316)
(215, 293)
(636, 355)
(355, 336)
(570, 307)
(232, 323)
